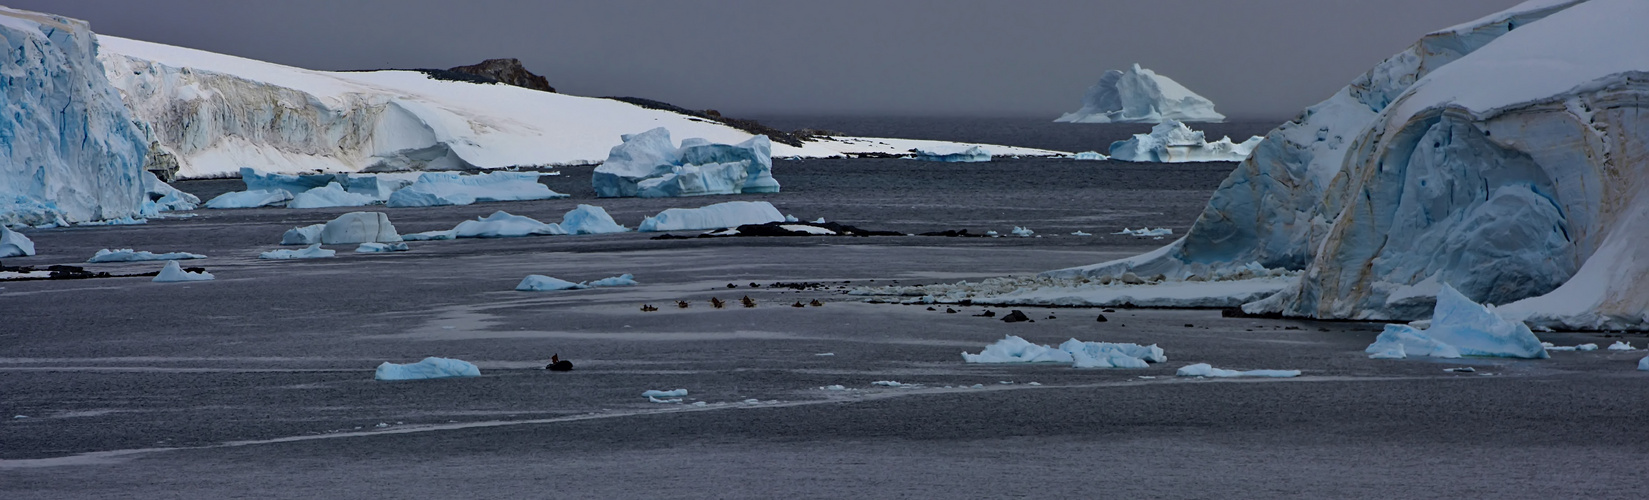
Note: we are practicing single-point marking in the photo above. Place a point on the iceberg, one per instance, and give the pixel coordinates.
(1146, 231)
(370, 247)
(503, 225)
(162, 197)
(953, 154)
(1013, 349)
(1173, 142)
(1459, 327)
(430, 368)
(649, 165)
(71, 150)
(431, 235)
(306, 235)
(14, 244)
(359, 227)
(312, 252)
(250, 199)
(1206, 370)
(620, 280)
(129, 255)
(1091, 156)
(1140, 95)
(590, 219)
(1643, 364)
(542, 283)
(173, 273)
(330, 195)
(436, 189)
(665, 394)
(257, 180)
(717, 216)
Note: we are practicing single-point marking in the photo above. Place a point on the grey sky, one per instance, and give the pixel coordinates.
(1254, 59)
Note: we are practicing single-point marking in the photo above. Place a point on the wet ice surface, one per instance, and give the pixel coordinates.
(264, 376)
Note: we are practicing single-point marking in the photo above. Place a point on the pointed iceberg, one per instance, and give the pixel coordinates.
(1140, 95)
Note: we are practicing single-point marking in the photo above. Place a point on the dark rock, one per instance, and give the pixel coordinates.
(953, 233)
(1015, 317)
(950, 311)
(559, 365)
(1102, 318)
(1108, 310)
(508, 72)
(751, 126)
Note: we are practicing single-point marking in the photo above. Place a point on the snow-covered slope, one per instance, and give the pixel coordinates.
(218, 113)
(1140, 95)
(1501, 157)
(68, 149)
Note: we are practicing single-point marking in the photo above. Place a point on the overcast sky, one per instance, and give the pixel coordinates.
(1254, 59)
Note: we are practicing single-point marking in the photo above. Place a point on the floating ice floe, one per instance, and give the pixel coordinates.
(250, 199)
(720, 215)
(541, 283)
(502, 224)
(175, 273)
(953, 154)
(435, 189)
(1146, 231)
(129, 255)
(649, 165)
(1080, 233)
(1173, 142)
(620, 280)
(1459, 327)
(1621, 345)
(1013, 349)
(1582, 347)
(1206, 370)
(431, 235)
(330, 195)
(312, 252)
(657, 396)
(1091, 156)
(1139, 95)
(370, 247)
(430, 368)
(14, 244)
(1023, 232)
(895, 383)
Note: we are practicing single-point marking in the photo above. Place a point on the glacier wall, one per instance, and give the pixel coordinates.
(71, 151)
(1501, 176)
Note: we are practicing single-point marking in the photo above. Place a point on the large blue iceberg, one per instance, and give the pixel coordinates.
(649, 165)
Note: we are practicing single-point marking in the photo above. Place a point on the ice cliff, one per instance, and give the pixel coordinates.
(1505, 157)
(649, 165)
(1140, 95)
(1173, 142)
(216, 113)
(71, 152)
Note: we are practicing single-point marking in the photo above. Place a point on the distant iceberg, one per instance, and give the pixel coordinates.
(173, 273)
(430, 368)
(1173, 142)
(954, 154)
(435, 189)
(129, 255)
(1140, 95)
(720, 215)
(649, 165)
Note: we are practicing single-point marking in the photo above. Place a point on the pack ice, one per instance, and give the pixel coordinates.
(173, 272)
(1139, 95)
(1174, 142)
(430, 367)
(71, 151)
(1459, 327)
(1013, 349)
(649, 165)
(720, 215)
(1501, 156)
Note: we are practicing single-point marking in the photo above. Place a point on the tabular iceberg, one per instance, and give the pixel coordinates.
(1173, 142)
(430, 368)
(1140, 95)
(1206, 370)
(956, 154)
(71, 150)
(250, 199)
(649, 165)
(330, 195)
(173, 273)
(717, 216)
(14, 244)
(502, 224)
(129, 255)
(434, 189)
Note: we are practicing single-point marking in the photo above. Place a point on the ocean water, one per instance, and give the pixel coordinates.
(1025, 132)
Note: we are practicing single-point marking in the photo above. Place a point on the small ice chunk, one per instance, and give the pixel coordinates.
(1034, 383)
(541, 283)
(129, 255)
(431, 235)
(1206, 370)
(665, 394)
(250, 199)
(894, 383)
(791, 218)
(825, 354)
(330, 195)
(430, 367)
(819, 221)
(1643, 364)
(14, 244)
(1146, 231)
(1462, 369)
(175, 273)
(312, 252)
(833, 388)
(1388, 350)
(1080, 233)
(1090, 156)
(620, 280)
(306, 235)
(1586, 347)
(371, 247)
(1621, 345)
(1022, 232)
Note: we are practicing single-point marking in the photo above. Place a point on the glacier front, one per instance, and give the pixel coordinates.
(71, 152)
(1140, 95)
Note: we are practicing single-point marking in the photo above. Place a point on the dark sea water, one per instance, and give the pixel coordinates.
(1025, 132)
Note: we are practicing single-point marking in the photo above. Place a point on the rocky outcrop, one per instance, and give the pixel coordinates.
(508, 72)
